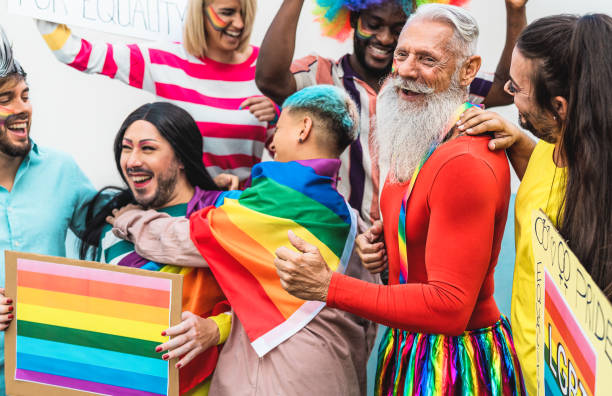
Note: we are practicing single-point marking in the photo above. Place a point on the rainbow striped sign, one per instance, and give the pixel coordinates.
(574, 319)
(89, 327)
(570, 361)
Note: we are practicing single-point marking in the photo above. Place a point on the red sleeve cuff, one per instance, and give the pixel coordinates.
(331, 291)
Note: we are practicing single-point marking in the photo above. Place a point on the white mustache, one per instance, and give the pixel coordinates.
(409, 85)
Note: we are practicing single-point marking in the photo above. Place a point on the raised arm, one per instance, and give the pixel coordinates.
(126, 63)
(273, 75)
(516, 20)
(157, 236)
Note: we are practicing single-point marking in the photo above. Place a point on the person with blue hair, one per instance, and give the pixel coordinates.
(324, 108)
(328, 353)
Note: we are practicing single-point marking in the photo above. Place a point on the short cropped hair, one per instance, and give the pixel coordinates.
(194, 36)
(333, 108)
(464, 25)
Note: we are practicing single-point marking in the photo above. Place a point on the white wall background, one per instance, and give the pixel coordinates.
(80, 114)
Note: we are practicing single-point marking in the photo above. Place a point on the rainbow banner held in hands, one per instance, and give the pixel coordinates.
(572, 340)
(239, 237)
(88, 329)
(566, 348)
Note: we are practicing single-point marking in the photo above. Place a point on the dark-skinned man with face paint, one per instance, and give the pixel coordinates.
(376, 25)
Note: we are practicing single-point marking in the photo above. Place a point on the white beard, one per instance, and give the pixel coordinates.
(405, 131)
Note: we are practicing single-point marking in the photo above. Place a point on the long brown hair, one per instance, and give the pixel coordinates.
(574, 57)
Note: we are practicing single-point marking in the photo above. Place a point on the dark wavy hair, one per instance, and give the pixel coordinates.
(574, 55)
(180, 130)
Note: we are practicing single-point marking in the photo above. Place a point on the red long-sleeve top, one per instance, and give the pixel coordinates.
(454, 226)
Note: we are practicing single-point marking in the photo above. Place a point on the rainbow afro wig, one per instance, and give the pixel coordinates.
(334, 15)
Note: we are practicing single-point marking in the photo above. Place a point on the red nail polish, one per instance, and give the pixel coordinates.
(178, 365)
(9, 301)
(163, 333)
(165, 357)
(10, 316)
(10, 309)
(158, 349)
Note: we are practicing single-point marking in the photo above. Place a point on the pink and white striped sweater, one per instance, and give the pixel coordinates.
(210, 91)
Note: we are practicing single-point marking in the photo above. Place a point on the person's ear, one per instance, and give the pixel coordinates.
(306, 131)
(469, 69)
(560, 106)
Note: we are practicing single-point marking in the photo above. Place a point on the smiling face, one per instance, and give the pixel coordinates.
(531, 117)
(150, 167)
(15, 117)
(376, 32)
(223, 24)
(422, 59)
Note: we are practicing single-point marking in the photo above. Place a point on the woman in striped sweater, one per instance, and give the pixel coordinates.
(211, 75)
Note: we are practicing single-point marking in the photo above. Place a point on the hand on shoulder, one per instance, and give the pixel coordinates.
(476, 121)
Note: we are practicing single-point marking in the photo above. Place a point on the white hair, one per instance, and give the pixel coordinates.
(464, 25)
(405, 131)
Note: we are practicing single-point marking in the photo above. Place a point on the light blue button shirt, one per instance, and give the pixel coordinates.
(48, 198)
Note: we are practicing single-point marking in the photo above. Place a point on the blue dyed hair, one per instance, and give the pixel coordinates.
(332, 107)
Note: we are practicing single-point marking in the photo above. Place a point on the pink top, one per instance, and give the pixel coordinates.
(210, 91)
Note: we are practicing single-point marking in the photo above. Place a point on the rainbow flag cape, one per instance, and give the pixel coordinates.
(239, 236)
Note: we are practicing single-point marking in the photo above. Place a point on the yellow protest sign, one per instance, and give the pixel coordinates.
(574, 319)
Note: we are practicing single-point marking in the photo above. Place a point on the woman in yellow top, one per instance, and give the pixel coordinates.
(560, 79)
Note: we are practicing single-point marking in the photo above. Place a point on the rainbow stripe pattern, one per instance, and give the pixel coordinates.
(4, 114)
(578, 360)
(458, 3)
(334, 15)
(215, 20)
(201, 294)
(401, 226)
(478, 362)
(362, 32)
(239, 238)
(90, 329)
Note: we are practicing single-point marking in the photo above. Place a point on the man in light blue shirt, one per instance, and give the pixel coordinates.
(43, 192)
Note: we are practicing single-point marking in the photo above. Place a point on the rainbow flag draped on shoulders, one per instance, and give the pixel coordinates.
(238, 238)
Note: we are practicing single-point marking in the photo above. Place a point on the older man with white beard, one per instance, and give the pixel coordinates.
(444, 207)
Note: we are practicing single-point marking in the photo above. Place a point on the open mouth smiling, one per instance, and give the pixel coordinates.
(140, 180)
(233, 34)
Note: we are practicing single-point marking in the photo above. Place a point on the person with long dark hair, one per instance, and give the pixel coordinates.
(174, 125)
(560, 79)
(158, 152)
(278, 345)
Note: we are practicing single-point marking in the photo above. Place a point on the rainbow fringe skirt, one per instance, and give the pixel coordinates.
(478, 362)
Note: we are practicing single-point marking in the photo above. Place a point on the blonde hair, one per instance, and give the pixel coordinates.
(194, 35)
